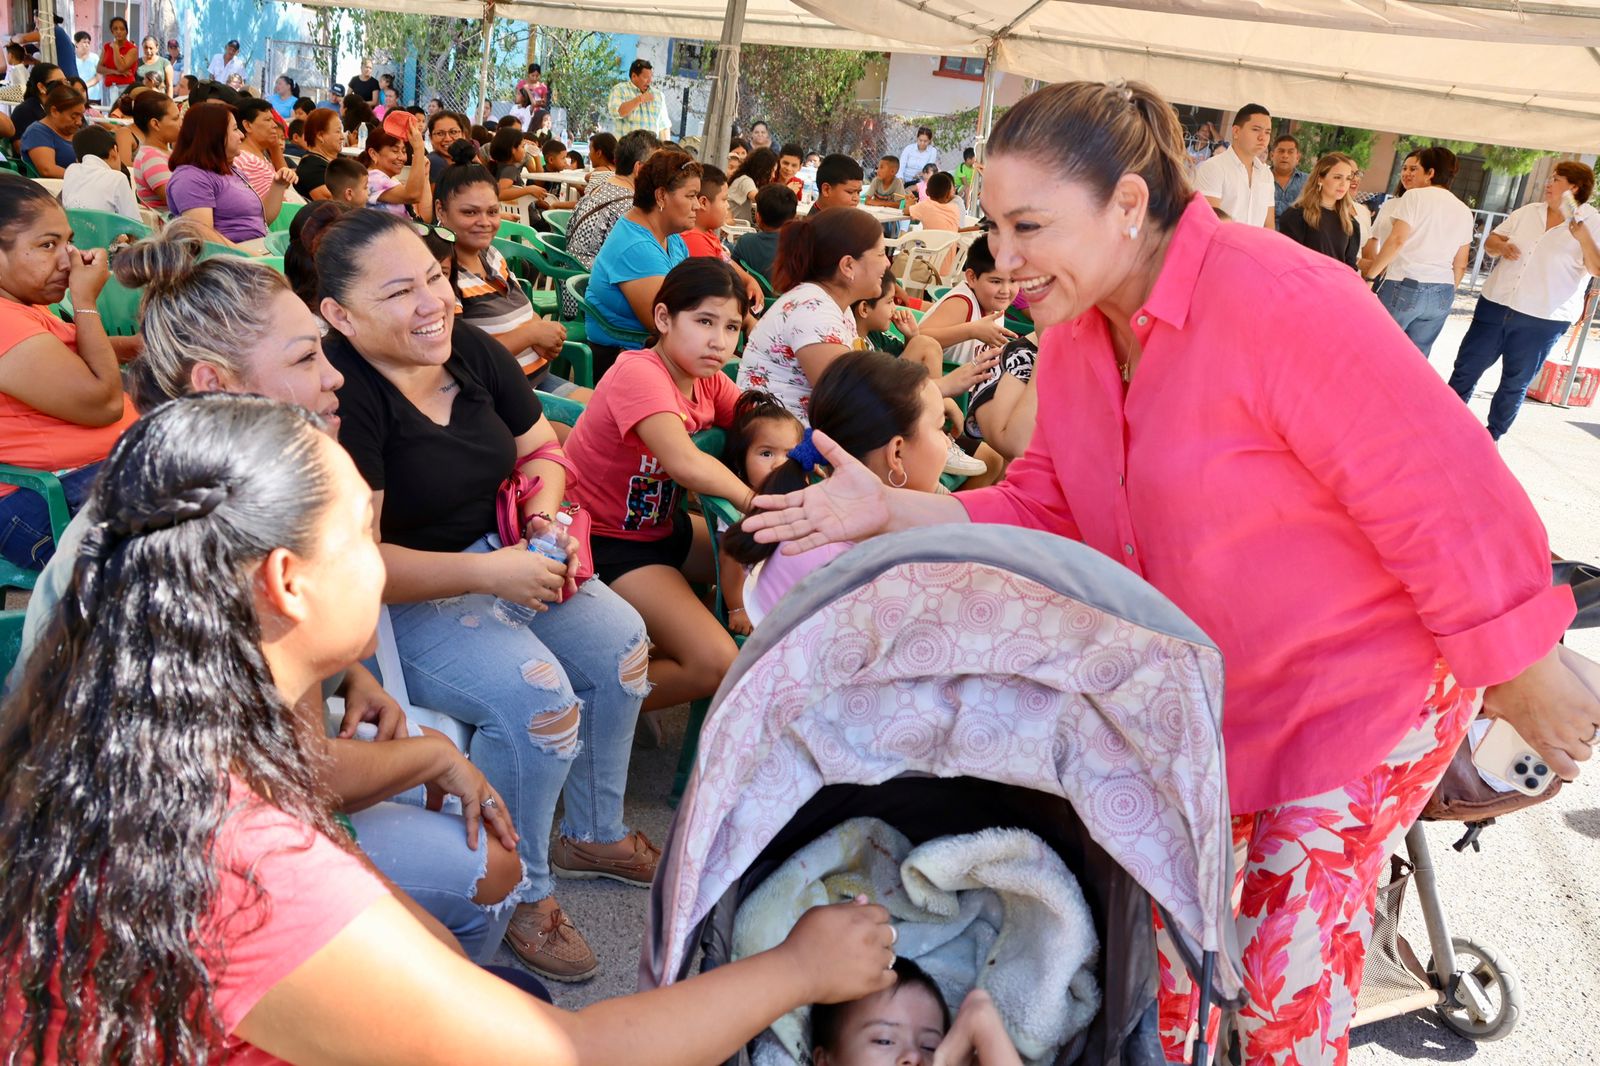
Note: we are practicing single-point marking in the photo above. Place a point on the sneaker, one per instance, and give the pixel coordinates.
(959, 462)
(578, 861)
(547, 942)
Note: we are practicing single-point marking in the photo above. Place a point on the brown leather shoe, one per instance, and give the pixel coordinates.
(579, 861)
(549, 944)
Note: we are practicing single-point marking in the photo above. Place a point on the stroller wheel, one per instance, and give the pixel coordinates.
(1485, 1000)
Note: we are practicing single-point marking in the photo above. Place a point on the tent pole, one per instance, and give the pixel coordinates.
(985, 122)
(488, 56)
(724, 103)
(1577, 354)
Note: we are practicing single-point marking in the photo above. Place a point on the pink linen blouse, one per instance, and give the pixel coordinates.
(1288, 471)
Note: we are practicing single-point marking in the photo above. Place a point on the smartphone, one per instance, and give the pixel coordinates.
(1503, 754)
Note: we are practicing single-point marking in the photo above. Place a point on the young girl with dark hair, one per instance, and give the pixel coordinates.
(634, 447)
(762, 435)
(756, 170)
(883, 410)
(826, 262)
(156, 121)
(163, 809)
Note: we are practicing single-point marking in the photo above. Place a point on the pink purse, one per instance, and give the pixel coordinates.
(517, 489)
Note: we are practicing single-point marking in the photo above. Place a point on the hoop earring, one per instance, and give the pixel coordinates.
(893, 484)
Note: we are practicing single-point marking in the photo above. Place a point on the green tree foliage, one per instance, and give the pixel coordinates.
(808, 96)
(449, 50)
(581, 66)
(1319, 138)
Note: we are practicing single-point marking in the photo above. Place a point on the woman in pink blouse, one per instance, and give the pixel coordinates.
(1239, 421)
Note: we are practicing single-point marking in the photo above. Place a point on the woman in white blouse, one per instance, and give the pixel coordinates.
(1425, 252)
(1548, 251)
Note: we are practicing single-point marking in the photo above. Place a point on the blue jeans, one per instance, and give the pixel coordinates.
(552, 703)
(25, 537)
(1419, 307)
(1523, 341)
(425, 853)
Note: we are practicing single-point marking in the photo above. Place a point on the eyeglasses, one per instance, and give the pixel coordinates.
(428, 229)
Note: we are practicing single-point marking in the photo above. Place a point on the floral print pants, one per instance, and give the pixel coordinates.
(1305, 892)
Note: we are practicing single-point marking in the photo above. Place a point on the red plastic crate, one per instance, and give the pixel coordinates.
(1551, 381)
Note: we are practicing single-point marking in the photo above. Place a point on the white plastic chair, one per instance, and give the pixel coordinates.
(53, 184)
(394, 683)
(928, 246)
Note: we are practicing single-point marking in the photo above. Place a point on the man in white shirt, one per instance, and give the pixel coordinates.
(97, 182)
(226, 63)
(916, 155)
(1237, 181)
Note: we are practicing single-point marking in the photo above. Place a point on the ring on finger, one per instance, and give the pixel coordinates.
(1594, 738)
(488, 802)
(893, 958)
(894, 935)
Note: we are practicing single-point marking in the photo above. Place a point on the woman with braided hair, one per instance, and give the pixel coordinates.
(227, 324)
(173, 888)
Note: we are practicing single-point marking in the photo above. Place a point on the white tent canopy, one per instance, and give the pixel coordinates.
(1478, 70)
(1494, 71)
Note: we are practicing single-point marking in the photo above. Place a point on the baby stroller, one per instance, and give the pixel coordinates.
(1005, 678)
(1470, 984)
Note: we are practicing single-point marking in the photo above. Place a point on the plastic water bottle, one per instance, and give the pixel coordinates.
(548, 545)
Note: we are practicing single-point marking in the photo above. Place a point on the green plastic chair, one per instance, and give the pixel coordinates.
(286, 215)
(97, 229)
(10, 639)
(719, 514)
(555, 240)
(525, 260)
(118, 306)
(212, 248)
(731, 368)
(47, 485)
(578, 288)
(559, 408)
(575, 363)
(559, 219)
(766, 286)
(273, 261)
(277, 242)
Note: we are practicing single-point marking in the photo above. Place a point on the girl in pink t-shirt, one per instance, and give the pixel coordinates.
(885, 411)
(635, 456)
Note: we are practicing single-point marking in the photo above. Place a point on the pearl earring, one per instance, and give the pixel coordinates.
(1133, 233)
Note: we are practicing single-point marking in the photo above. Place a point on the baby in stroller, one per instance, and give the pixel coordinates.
(907, 1023)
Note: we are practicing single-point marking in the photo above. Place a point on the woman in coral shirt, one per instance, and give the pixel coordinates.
(61, 400)
(1239, 421)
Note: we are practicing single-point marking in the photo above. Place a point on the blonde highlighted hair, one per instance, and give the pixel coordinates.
(1310, 201)
(193, 310)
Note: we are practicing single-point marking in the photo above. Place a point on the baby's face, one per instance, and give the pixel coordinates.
(900, 1026)
(770, 441)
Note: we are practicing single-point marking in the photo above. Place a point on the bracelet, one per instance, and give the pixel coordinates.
(736, 610)
(84, 311)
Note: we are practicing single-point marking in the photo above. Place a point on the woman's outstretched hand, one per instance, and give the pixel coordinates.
(844, 951)
(850, 505)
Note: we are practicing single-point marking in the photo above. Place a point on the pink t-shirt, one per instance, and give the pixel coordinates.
(1287, 471)
(256, 172)
(774, 576)
(307, 889)
(628, 494)
(150, 173)
(379, 183)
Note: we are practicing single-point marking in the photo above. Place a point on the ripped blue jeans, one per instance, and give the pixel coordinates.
(425, 853)
(552, 703)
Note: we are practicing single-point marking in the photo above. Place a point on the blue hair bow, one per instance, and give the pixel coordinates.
(805, 453)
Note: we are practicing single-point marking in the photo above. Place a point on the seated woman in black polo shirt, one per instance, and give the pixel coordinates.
(467, 203)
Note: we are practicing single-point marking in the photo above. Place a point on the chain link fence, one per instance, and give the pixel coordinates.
(308, 65)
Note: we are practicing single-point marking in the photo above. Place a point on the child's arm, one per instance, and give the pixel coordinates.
(665, 436)
(1007, 420)
(731, 577)
(978, 1035)
(947, 324)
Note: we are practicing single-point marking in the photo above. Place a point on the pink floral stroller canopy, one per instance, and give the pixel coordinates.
(989, 653)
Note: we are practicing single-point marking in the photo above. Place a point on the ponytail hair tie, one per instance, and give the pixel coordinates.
(805, 453)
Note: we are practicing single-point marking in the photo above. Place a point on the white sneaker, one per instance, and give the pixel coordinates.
(959, 462)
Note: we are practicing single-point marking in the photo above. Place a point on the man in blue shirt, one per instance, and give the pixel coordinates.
(66, 54)
(1287, 180)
